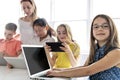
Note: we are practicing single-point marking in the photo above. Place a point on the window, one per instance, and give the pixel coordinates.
(79, 32)
(73, 13)
(70, 10)
(76, 13)
(9, 14)
(108, 7)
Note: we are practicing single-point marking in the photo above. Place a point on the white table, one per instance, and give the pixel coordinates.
(22, 74)
(13, 74)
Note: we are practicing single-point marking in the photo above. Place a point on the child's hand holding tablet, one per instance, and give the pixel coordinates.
(55, 46)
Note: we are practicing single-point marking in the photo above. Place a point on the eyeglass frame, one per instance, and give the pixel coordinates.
(104, 26)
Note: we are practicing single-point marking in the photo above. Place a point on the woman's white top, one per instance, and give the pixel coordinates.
(26, 31)
(36, 40)
(28, 35)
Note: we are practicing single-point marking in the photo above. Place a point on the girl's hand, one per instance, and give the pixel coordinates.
(68, 41)
(66, 48)
(47, 49)
(53, 73)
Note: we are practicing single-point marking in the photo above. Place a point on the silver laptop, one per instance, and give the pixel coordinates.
(2, 61)
(16, 62)
(36, 62)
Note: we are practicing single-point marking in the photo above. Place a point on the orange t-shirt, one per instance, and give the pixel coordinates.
(10, 47)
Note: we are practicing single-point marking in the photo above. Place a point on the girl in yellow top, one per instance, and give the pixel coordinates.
(70, 56)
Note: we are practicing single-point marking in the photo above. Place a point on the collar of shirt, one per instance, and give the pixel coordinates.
(8, 40)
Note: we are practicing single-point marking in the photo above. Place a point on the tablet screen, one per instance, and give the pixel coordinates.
(55, 46)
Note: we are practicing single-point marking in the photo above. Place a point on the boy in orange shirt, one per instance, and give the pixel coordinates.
(10, 46)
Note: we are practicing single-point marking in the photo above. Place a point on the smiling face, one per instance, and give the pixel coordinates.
(101, 30)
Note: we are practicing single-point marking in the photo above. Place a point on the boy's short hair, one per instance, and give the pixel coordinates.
(11, 26)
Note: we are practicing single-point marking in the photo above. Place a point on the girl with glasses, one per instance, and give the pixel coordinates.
(103, 62)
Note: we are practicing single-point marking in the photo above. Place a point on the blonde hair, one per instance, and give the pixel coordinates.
(67, 29)
(111, 41)
(34, 14)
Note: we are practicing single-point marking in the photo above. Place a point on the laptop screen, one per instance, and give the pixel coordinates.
(36, 59)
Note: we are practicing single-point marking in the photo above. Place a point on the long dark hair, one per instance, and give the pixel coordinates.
(43, 23)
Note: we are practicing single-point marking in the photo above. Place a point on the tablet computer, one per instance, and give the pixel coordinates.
(16, 62)
(55, 46)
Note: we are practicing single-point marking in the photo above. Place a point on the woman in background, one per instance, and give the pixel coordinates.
(25, 22)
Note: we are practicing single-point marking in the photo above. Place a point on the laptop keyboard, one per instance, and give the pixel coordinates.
(45, 76)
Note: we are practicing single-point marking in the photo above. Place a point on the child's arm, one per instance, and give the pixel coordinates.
(51, 58)
(19, 52)
(72, 55)
(18, 48)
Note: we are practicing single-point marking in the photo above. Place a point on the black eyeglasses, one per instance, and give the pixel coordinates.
(104, 26)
